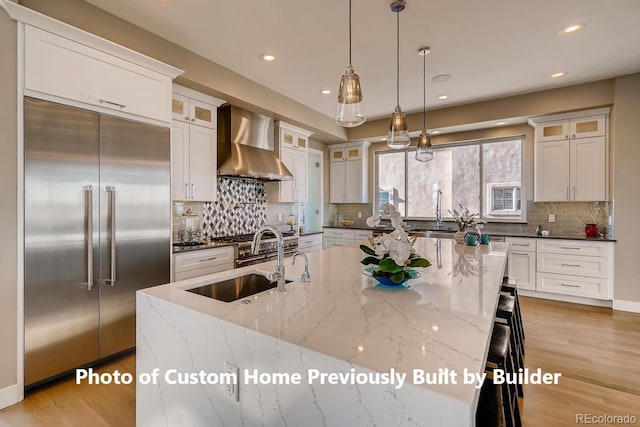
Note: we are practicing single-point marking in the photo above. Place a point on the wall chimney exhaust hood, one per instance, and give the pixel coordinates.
(245, 146)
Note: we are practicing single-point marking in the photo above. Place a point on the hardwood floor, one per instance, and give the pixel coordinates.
(596, 350)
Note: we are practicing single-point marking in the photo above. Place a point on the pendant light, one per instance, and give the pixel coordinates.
(350, 109)
(398, 137)
(424, 152)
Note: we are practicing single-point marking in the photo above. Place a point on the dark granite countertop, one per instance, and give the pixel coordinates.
(308, 232)
(207, 245)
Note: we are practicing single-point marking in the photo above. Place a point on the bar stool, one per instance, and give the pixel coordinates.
(509, 286)
(506, 313)
(501, 356)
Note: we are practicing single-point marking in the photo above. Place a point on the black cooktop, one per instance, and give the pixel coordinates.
(188, 244)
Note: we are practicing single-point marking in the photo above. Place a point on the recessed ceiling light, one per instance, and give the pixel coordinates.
(499, 123)
(268, 57)
(325, 91)
(573, 28)
(441, 78)
(442, 97)
(560, 74)
(435, 132)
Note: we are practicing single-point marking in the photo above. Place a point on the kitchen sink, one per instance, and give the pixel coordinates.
(235, 288)
(436, 234)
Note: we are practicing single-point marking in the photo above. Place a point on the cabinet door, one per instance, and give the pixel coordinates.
(202, 114)
(302, 142)
(587, 127)
(353, 182)
(552, 131)
(522, 267)
(202, 163)
(300, 176)
(588, 169)
(179, 161)
(180, 108)
(337, 181)
(287, 188)
(287, 138)
(60, 67)
(552, 171)
(337, 155)
(353, 153)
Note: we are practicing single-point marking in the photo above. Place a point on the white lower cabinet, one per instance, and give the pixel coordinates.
(310, 243)
(522, 262)
(340, 236)
(199, 263)
(589, 287)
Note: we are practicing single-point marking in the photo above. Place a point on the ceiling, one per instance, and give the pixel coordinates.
(491, 48)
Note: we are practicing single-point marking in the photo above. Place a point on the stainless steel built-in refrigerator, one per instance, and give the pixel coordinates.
(97, 228)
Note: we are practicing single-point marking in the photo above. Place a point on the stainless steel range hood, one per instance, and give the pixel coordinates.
(245, 146)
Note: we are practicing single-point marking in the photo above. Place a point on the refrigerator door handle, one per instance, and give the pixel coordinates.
(112, 232)
(88, 236)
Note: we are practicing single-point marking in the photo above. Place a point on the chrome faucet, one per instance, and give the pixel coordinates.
(278, 275)
(439, 210)
(306, 277)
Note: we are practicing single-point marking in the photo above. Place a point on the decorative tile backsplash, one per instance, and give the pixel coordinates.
(241, 208)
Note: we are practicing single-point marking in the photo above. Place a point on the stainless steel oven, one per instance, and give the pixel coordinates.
(268, 251)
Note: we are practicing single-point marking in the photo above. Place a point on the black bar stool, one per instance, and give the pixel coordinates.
(506, 314)
(501, 356)
(509, 286)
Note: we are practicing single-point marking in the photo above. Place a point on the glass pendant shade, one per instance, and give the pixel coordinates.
(350, 109)
(398, 137)
(424, 152)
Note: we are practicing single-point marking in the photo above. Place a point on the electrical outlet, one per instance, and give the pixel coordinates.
(231, 389)
(359, 214)
(480, 226)
(279, 217)
(552, 218)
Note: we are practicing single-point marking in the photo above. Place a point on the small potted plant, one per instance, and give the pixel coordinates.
(464, 219)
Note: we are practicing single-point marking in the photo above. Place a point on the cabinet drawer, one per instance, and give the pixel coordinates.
(339, 233)
(521, 244)
(202, 271)
(58, 66)
(203, 259)
(573, 247)
(363, 235)
(589, 287)
(572, 264)
(306, 242)
(332, 243)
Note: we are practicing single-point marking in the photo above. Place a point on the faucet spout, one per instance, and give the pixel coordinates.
(305, 277)
(277, 275)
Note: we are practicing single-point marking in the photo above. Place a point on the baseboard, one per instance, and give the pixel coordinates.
(9, 396)
(622, 305)
(565, 298)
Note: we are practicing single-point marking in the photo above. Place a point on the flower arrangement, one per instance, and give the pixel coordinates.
(465, 219)
(291, 223)
(393, 252)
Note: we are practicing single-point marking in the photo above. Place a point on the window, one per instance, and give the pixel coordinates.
(483, 176)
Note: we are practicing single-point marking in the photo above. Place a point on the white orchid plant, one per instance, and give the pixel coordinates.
(392, 252)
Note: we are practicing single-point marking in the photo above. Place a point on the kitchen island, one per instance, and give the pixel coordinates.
(339, 323)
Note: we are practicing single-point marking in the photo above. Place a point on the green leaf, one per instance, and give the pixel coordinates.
(370, 260)
(389, 266)
(419, 262)
(397, 277)
(367, 250)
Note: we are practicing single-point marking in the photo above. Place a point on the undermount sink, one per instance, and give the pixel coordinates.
(235, 288)
(436, 234)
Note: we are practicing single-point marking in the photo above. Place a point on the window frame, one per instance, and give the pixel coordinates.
(485, 213)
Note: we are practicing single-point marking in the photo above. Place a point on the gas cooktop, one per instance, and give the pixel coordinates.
(239, 238)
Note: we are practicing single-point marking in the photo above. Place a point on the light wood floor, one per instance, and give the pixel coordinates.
(596, 350)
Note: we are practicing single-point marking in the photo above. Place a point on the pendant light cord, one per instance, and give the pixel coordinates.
(398, 59)
(424, 91)
(349, 32)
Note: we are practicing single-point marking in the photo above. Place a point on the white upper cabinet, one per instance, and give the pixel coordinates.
(194, 111)
(348, 175)
(59, 69)
(292, 144)
(194, 145)
(571, 156)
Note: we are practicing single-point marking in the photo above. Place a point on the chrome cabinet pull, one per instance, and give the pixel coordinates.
(570, 265)
(88, 237)
(186, 190)
(104, 101)
(568, 247)
(520, 253)
(193, 191)
(208, 259)
(573, 192)
(112, 232)
(569, 286)
(520, 244)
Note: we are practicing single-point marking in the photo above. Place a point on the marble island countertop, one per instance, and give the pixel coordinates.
(442, 322)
